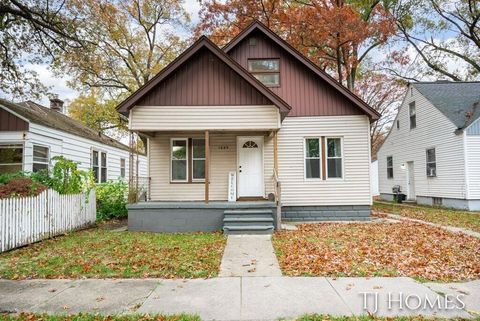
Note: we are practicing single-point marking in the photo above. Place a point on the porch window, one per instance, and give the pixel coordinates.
(179, 160)
(312, 158)
(334, 158)
(198, 159)
(389, 167)
(431, 163)
(265, 70)
(11, 158)
(40, 158)
(99, 166)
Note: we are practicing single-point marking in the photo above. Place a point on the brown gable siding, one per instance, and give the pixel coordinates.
(10, 122)
(305, 92)
(203, 80)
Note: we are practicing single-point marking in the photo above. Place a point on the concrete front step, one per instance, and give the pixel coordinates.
(250, 229)
(248, 221)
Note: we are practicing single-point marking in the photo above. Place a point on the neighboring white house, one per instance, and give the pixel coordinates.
(374, 178)
(433, 149)
(31, 135)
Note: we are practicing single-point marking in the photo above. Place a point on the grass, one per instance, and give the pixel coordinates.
(438, 215)
(96, 317)
(321, 317)
(98, 253)
(378, 249)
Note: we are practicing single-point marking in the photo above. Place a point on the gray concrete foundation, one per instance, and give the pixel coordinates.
(457, 203)
(326, 213)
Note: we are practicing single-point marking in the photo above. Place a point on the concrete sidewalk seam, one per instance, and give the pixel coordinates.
(341, 298)
(57, 293)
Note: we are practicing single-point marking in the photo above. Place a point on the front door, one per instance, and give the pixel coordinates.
(250, 166)
(410, 181)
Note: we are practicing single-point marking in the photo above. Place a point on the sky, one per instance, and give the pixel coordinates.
(59, 85)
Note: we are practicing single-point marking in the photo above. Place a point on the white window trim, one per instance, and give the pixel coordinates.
(23, 153)
(393, 174)
(342, 157)
(194, 159)
(124, 167)
(305, 158)
(171, 160)
(427, 162)
(48, 156)
(100, 169)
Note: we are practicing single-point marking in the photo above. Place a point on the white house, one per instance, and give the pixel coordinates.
(31, 135)
(433, 149)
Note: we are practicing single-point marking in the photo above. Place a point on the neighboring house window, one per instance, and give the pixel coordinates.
(265, 70)
(389, 167)
(312, 158)
(11, 158)
(334, 158)
(198, 159)
(40, 158)
(179, 160)
(99, 166)
(398, 124)
(431, 163)
(413, 115)
(122, 167)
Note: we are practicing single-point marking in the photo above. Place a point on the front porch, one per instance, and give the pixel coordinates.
(257, 217)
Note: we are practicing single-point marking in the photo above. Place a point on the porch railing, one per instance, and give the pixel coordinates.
(278, 198)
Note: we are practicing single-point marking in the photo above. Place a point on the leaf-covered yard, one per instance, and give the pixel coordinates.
(438, 215)
(378, 249)
(98, 253)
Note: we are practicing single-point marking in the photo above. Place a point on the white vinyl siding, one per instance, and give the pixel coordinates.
(405, 145)
(223, 159)
(165, 118)
(353, 189)
(473, 165)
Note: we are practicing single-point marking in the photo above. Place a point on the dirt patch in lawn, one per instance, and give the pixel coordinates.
(378, 249)
(98, 253)
(437, 215)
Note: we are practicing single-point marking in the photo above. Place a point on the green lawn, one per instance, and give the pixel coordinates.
(95, 317)
(321, 317)
(438, 215)
(98, 253)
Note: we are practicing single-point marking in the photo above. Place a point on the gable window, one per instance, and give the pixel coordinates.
(11, 158)
(389, 167)
(312, 158)
(431, 163)
(398, 124)
(179, 158)
(198, 159)
(122, 167)
(40, 158)
(413, 115)
(265, 70)
(334, 158)
(99, 166)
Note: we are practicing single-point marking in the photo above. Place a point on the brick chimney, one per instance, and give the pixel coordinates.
(56, 104)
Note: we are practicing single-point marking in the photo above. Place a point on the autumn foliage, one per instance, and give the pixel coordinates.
(21, 187)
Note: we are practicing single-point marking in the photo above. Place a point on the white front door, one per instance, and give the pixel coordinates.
(410, 181)
(250, 166)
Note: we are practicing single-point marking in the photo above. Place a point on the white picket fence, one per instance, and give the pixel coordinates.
(26, 220)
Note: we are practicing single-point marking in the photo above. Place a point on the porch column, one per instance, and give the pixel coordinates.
(207, 166)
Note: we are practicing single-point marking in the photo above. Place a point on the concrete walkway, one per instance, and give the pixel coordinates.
(243, 298)
(249, 255)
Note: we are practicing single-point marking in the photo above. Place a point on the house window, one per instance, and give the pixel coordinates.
(179, 160)
(198, 159)
(312, 158)
(431, 163)
(122, 167)
(11, 158)
(40, 158)
(265, 70)
(334, 158)
(413, 115)
(389, 167)
(99, 166)
(398, 124)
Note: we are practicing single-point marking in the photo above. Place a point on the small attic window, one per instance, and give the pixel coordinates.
(252, 41)
(266, 70)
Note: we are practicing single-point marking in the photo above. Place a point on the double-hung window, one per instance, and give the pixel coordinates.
(265, 70)
(389, 167)
(99, 166)
(431, 163)
(122, 167)
(334, 158)
(413, 115)
(11, 158)
(198, 159)
(312, 158)
(179, 160)
(187, 160)
(40, 158)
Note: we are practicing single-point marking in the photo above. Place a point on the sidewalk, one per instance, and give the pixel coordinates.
(239, 298)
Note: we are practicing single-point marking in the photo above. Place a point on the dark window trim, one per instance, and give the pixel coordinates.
(427, 162)
(414, 116)
(266, 72)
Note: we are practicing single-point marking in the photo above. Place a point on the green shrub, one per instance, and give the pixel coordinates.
(68, 179)
(5, 178)
(111, 200)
